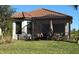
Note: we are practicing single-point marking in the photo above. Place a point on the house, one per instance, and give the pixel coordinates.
(40, 22)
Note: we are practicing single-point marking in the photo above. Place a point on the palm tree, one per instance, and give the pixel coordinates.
(75, 7)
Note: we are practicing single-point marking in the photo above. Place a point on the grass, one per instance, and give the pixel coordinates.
(39, 47)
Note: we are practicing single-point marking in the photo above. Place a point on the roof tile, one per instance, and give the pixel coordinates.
(36, 13)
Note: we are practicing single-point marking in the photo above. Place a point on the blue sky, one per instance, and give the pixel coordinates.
(66, 9)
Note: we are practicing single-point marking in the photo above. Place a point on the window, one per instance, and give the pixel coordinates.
(18, 27)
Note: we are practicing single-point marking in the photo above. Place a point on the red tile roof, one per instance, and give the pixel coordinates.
(43, 12)
(37, 13)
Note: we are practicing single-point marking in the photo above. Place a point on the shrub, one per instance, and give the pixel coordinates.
(6, 39)
(1, 41)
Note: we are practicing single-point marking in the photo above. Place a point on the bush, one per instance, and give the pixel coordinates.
(1, 41)
(6, 39)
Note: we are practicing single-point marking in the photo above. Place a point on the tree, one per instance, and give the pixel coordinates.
(5, 13)
(73, 30)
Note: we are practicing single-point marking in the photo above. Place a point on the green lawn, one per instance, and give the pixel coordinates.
(39, 47)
